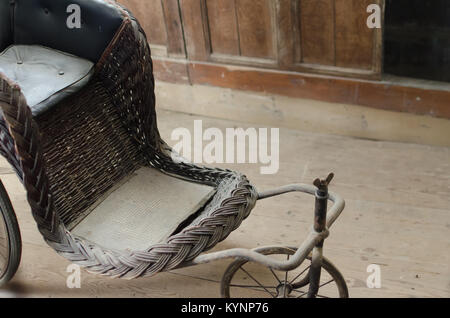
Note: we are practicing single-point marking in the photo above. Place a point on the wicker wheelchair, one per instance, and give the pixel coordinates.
(78, 125)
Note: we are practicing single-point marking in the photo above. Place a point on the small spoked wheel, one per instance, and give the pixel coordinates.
(243, 279)
(10, 241)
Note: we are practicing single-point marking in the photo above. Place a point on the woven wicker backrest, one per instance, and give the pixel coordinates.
(90, 140)
(99, 136)
(87, 150)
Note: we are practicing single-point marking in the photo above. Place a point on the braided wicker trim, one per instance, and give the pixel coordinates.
(127, 77)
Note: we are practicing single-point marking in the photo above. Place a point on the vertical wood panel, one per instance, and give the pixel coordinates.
(317, 31)
(150, 15)
(223, 26)
(256, 29)
(287, 31)
(378, 42)
(354, 40)
(175, 40)
(195, 29)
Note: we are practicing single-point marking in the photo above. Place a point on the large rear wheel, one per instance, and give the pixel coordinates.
(10, 241)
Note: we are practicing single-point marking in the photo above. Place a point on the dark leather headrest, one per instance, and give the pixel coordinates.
(44, 22)
(5, 25)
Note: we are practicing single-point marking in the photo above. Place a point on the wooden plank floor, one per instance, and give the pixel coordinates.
(397, 216)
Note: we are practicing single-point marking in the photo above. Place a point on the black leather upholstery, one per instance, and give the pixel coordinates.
(30, 29)
(44, 22)
(6, 34)
(45, 76)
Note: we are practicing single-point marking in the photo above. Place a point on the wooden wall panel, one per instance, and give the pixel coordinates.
(196, 31)
(317, 31)
(222, 19)
(354, 40)
(150, 15)
(318, 36)
(287, 33)
(256, 28)
(175, 38)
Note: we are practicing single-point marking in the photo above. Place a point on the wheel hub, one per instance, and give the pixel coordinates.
(284, 289)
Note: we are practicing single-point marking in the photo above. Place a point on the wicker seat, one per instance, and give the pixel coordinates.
(142, 210)
(88, 163)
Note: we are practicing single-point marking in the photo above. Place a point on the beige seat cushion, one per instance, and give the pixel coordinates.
(144, 210)
(46, 76)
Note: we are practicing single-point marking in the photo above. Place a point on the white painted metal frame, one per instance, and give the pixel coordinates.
(302, 252)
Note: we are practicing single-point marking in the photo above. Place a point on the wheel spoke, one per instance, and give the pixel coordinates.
(275, 275)
(251, 286)
(327, 283)
(248, 274)
(255, 288)
(303, 293)
(292, 281)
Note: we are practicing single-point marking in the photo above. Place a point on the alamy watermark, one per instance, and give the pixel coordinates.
(374, 19)
(236, 146)
(74, 278)
(374, 279)
(74, 19)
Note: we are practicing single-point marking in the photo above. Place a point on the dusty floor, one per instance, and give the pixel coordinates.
(397, 216)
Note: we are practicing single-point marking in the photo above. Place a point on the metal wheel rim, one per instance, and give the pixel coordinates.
(4, 246)
(270, 292)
